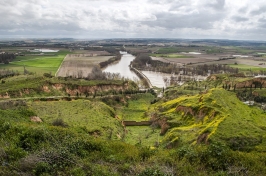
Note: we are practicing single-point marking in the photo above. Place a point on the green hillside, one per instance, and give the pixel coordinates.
(212, 133)
(95, 117)
(216, 115)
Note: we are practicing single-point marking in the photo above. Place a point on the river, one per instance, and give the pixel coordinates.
(122, 67)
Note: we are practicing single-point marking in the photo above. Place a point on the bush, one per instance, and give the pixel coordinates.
(152, 172)
(47, 75)
(59, 122)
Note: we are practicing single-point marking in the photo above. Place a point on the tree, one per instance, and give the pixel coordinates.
(96, 74)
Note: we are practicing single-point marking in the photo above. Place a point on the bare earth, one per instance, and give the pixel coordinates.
(79, 65)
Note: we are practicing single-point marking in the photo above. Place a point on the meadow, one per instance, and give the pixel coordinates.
(92, 116)
(37, 64)
(243, 67)
(170, 55)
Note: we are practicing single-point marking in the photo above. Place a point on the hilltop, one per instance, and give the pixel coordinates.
(216, 115)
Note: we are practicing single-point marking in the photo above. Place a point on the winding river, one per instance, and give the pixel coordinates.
(122, 67)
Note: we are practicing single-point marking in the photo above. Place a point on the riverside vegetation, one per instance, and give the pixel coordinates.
(67, 126)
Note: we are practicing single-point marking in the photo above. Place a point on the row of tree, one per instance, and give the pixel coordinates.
(144, 62)
(98, 74)
(111, 60)
(7, 57)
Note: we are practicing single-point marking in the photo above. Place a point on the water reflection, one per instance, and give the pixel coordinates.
(156, 78)
(122, 66)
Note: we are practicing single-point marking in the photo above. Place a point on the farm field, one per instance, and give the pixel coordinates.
(79, 65)
(190, 58)
(244, 57)
(248, 67)
(174, 55)
(36, 63)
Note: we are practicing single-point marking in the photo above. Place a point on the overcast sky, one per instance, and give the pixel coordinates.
(194, 19)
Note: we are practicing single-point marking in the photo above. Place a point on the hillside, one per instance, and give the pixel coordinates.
(210, 133)
(37, 86)
(216, 115)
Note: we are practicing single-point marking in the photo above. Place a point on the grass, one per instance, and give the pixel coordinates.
(94, 117)
(32, 85)
(78, 148)
(36, 64)
(142, 135)
(135, 111)
(261, 92)
(226, 119)
(246, 67)
(170, 55)
(21, 82)
(172, 50)
(137, 106)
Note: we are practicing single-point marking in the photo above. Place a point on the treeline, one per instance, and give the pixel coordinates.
(141, 61)
(7, 57)
(98, 74)
(111, 60)
(111, 50)
(144, 62)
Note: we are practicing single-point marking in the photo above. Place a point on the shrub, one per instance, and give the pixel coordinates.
(152, 172)
(59, 122)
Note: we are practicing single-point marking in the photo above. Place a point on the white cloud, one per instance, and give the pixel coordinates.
(238, 19)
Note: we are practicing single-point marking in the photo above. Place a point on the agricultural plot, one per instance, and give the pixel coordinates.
(248, 67)
(36, 63)
(174, 55)
(79, 65)
(189, 58)
(240, 61)
(211, 55)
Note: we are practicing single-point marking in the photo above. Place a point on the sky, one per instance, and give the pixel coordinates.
(89, 19)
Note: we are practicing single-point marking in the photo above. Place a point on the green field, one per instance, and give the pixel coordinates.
(246, 67)
(37, 64)
(170, 55)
